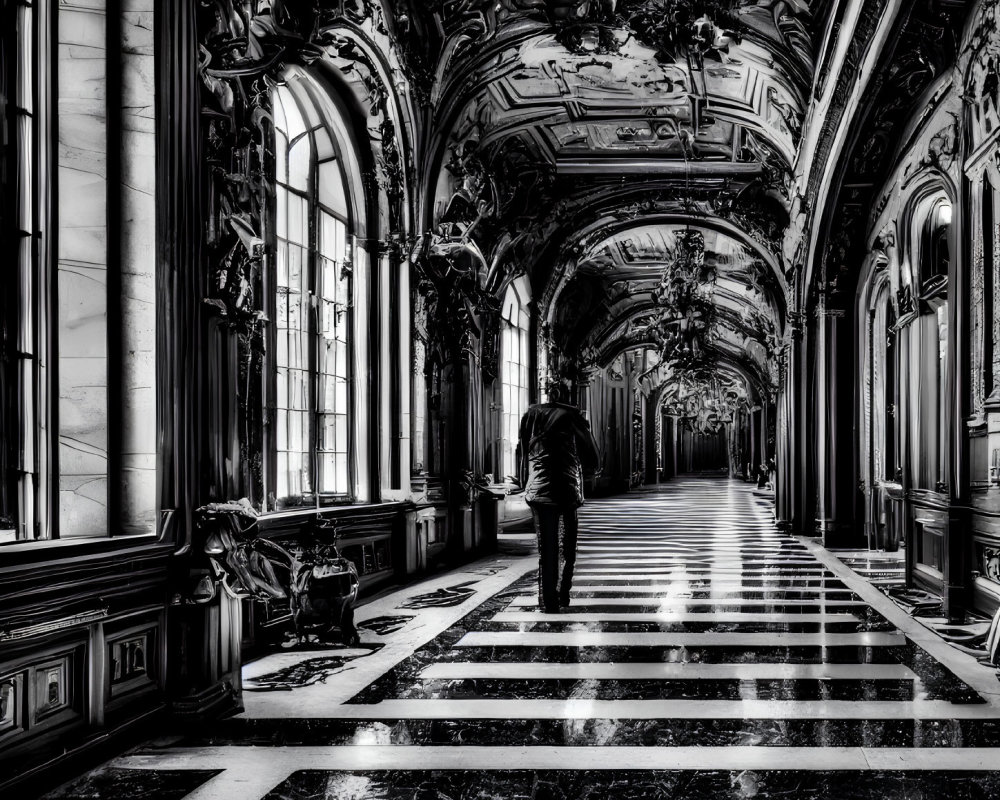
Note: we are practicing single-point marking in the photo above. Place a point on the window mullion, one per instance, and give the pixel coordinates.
(315, 310)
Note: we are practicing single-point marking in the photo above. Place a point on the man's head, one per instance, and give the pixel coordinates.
(558, 392)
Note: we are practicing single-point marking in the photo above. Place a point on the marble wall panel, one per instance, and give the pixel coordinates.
(138, 268)
(83, 500)
(82, 312)
(83, 406)
(83, 245)
(82, 145)
(82, 168)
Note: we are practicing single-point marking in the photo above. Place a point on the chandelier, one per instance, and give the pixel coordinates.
(685, 312)
(705, 400)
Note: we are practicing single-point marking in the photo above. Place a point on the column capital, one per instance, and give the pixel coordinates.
(796, 323)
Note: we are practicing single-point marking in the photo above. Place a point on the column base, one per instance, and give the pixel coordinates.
(838, 535)
(213, 701)
(954, 597)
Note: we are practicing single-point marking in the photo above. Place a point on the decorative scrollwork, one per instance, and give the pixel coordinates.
(695, 29)
(692, 29)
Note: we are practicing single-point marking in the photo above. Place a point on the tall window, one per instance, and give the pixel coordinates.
(888, 344)
(989, 283)
(936, 256)
(313, 269)
(77, 375)
(513, 373)
(933, 374)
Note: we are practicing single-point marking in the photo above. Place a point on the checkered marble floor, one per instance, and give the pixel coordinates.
(704, 654)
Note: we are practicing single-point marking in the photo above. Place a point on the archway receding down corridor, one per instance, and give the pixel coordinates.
(703, 654)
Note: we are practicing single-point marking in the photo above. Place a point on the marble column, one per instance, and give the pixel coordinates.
(903, 401)
(956, 553)
(202, 674)
(803, 456)
(649, 433)
(835, 444)
(784, 444)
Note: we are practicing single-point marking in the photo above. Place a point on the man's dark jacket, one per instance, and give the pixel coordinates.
(554, 446)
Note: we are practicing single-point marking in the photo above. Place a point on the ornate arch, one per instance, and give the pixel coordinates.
(587, 238)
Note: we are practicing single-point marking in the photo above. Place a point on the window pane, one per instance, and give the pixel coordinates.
(328, 471)
(282, 489)
(331, 188)
(26, 58)
(295, 211)
(294, 278)
(281, 265)
(281, 212)
(298, 219)
(299, 162)
(25, 168)
(340, 364)
(292, 429)
(341, 431)
(513, 378)
(293, 119)
(313, 310)
(340, 485)
(333, 348)
(281, 158)
(324, 145)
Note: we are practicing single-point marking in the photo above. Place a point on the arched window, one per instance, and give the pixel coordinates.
(312, 285)
(931, 467)
(513, 373)
(936, 255)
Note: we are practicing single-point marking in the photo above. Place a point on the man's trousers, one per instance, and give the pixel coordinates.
(551, 592)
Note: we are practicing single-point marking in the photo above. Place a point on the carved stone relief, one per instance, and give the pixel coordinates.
(981, 69)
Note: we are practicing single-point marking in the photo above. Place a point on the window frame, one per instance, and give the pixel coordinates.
(27, 110)
(314, 499)
(515, 328)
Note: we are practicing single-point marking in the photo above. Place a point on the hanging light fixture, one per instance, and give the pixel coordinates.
(705, 399)
(686, 313)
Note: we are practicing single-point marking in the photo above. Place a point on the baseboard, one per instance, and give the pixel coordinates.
(86, 754)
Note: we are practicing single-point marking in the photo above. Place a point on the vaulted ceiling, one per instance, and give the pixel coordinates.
(627, 267)
(575, 138)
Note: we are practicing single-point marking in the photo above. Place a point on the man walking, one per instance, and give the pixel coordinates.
(555, 444)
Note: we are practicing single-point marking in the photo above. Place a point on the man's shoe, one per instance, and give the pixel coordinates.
(551, 609)
(564, 601)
